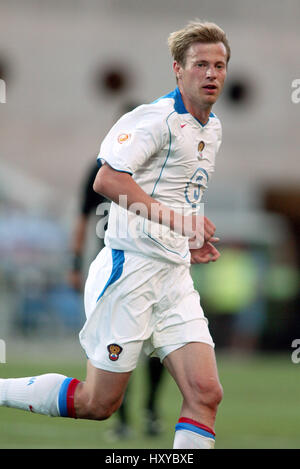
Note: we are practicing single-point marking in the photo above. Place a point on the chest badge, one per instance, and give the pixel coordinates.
(201, 146)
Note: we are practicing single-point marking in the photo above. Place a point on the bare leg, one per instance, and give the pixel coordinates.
(100, 394)
(194, 369)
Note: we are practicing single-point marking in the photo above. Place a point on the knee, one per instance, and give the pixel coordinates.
(207, 393)
(101, 411)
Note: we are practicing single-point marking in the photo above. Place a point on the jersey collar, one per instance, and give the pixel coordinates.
(180, 107)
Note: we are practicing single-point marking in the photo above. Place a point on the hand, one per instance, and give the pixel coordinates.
(209, 229)
(207, 253)
(199, 229)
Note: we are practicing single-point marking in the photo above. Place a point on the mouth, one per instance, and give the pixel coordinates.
(210, 88)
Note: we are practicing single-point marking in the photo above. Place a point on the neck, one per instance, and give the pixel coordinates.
(200, 112)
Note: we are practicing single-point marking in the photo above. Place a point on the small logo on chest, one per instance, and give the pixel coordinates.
(201, 146)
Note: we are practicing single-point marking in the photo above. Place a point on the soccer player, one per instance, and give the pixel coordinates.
(155, 164)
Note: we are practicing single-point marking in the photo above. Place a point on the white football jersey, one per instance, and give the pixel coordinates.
(171, 155)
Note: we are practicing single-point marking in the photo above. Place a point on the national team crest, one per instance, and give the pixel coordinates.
(114, 351)
(201, 146)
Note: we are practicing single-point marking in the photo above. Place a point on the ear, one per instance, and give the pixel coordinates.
(177, 69)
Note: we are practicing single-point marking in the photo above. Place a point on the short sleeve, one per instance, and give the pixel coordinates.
(134, 139)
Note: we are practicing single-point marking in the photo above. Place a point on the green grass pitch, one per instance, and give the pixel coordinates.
(260, 409)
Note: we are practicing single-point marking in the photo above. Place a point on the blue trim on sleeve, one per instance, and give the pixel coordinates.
(115, 169)
(193, 428)
(118, 259)
(62, 398)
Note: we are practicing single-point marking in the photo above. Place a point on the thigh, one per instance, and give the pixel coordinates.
(101, 390)
(101, 382)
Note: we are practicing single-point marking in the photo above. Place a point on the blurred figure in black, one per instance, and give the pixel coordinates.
(89, 203)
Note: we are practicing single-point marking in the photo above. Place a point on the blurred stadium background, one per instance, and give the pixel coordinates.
(70, 67)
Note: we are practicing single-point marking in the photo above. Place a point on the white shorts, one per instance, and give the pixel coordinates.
(135, 303)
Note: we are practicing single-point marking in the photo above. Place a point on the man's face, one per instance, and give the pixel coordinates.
(202, 77)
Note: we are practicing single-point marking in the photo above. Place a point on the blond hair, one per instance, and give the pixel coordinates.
(195, 31)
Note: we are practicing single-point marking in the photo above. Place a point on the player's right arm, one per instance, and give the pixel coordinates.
(122, 189)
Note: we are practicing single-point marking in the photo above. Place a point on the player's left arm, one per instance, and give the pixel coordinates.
(207, 253)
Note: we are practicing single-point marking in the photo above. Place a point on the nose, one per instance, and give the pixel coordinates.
(210, 72)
